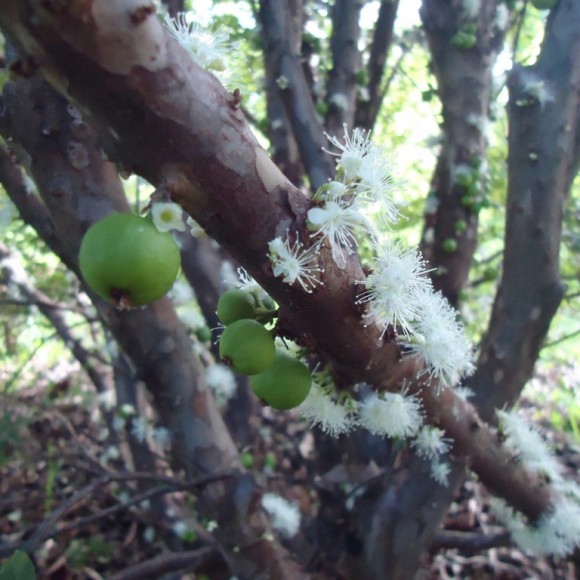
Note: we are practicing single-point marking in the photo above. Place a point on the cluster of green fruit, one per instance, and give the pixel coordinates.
(246, 345)
(127, 261)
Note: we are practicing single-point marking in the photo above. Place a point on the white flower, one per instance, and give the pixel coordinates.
(194, 228)
(377, 183)
(557, 532)
(110, 454)
(167, 216)
(319, 409)
(285, 516)
(180, 529)
(149, 534)
(139, 428)
(502, 17)
(208, 48)
(440, 341)
(391, 414)
(336, 189)
(463, 393)
(222, 382)
(354, 148)
(294, 264)
(535, 89)
(340, 101)
(440, 471)
(107, 399)
(282, 82)
(163, 437)
(181, 292)
(429, 442)
(394, 288)
(471, 8)
(245, 282)
(191, 317)
(337, 222)
(528, 444)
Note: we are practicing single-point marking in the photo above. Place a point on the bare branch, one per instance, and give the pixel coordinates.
(283, 65)
(346, 62)
(542, 162)
(367, 110)
(171, 562)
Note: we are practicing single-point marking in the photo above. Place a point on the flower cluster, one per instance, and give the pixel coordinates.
(430, 444)
(285, 516)
(322, 410)
(392, 287)
(222, 382)
(397, 294)
(558, 531)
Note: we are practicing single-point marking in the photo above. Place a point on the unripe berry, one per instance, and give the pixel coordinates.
(247, 347)
(235, 305)
(284, 384)
(127, 261)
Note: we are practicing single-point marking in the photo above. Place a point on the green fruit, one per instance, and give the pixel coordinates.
(247, 347)
(127, 261)
(284, 384)
(450, 245)
(543, 4)
(490, 273)
(203, 334)
(235, 305)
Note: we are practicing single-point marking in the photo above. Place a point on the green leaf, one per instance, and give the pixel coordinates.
(18, 567)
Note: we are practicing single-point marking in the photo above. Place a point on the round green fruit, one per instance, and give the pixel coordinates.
(127, 261)
(450, 245)
(284, 384)
(235, 305)
(247, 347)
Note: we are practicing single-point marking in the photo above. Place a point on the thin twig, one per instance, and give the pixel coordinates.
(171, 562)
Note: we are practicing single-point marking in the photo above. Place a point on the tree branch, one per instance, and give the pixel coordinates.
(173, 123)
(543, 160)
(367, 110)
(153, 337)
(282, 63)
(464, 77)
(341, 89)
